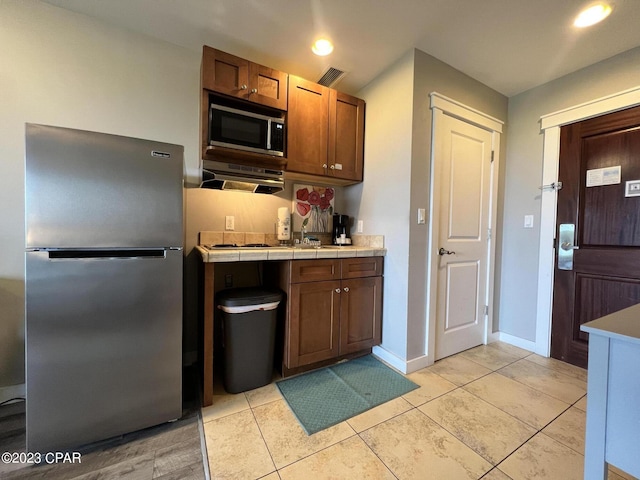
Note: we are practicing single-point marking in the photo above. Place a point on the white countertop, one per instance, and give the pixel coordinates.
(623, 325)
(286, 253)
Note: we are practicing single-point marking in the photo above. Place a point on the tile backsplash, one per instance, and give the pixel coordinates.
(374, 241)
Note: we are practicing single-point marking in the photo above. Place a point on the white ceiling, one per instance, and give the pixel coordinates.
(509, 45)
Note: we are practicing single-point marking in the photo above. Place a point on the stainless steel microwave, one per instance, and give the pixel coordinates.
(244, 130)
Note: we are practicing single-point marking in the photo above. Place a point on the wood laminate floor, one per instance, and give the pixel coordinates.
(167, 451)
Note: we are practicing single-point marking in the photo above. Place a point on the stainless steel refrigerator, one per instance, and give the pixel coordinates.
(104, 240)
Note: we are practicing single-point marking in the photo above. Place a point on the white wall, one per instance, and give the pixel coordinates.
(382, 200)
(524, 173)
(396, 180)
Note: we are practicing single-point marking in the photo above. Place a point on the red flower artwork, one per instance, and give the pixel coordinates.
(302, 194)
(303, 208)
(316, 205)
(314, 198)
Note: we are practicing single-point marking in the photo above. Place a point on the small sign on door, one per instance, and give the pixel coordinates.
(603, 176)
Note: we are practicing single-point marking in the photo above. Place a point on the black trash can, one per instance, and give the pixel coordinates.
(248, 319)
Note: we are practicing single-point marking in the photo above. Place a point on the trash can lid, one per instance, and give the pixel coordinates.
(238, 297)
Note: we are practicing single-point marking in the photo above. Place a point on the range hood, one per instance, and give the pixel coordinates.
(245, 178)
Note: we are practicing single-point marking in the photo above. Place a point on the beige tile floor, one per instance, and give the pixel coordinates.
(495, 412)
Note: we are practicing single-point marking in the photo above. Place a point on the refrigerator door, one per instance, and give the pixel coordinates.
(92, 190)
(104, 344)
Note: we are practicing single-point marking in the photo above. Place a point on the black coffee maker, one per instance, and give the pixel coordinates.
(340, 230)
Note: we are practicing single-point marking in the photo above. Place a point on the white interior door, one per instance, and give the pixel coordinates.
(462, 196)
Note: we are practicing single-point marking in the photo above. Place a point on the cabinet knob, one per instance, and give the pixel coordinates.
(337, 290)
(346, 289)
(254, 90)
(324, 165)
(243, 87)
(332, 167)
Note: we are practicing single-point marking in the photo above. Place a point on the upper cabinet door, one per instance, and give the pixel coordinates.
(267, 86)
(224, 73)
(234, 76)
(346, 136)
(308, 127)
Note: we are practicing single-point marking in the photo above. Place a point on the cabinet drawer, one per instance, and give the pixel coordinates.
(361, 267)
(314, 270)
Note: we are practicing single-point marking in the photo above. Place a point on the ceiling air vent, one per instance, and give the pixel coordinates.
(331, 76)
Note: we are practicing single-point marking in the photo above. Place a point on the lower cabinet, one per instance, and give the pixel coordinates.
(314, 323)
(360, 314)
(334, 308)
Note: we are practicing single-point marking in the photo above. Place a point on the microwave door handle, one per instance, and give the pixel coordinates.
(269, 134)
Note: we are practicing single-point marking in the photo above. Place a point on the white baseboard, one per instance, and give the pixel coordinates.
(12, 391)
(399, 364)
(390, 358)
(516, 341)
(409, 366)
(493, 337)
(418, 363)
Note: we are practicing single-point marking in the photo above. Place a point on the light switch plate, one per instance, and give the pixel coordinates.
(528, 221)
(360, 227)
(422, 213)
(229, 222)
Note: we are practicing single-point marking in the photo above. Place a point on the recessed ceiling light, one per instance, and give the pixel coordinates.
(592, 15)
(322, 47)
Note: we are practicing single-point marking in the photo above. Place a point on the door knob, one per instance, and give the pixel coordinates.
(568, 246)
(442, 251)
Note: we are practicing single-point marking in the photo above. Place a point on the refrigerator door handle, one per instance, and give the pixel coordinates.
(118, 253)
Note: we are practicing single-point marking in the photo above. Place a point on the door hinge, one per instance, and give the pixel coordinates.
(489, 234)
(492, 155)
(486, 310)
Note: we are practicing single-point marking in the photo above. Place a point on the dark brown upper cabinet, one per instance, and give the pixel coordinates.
(308, 127)
(236, 77)
(325, 133)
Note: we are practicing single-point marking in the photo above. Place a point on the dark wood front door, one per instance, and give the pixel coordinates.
(596, 199)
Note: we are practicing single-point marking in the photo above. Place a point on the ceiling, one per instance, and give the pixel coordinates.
(509, 45)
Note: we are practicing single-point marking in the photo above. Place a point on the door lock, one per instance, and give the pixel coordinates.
(442, 251)
(566, 242)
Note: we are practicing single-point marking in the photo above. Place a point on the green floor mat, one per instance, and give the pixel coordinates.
(330, 395)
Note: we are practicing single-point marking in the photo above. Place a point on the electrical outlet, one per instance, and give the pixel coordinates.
(360, 228)
(229, 222)
(228, 280)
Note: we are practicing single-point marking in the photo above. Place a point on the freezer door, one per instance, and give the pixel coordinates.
(92, 190)
(104, 345)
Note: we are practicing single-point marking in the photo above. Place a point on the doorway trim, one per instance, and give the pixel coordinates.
(550, 127)
(444, 105)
